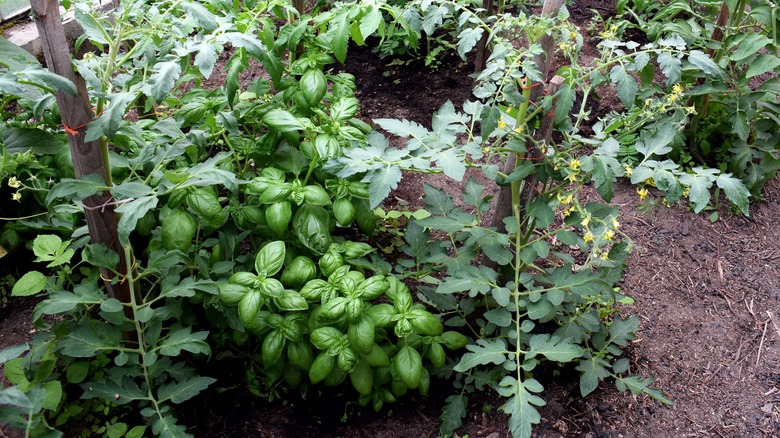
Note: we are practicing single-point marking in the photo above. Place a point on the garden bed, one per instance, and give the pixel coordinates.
(707, 295)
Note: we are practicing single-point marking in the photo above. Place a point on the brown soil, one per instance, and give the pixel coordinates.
(707, 294)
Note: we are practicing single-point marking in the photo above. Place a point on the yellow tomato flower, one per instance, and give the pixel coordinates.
(604, 256)
(586, 221)
(615, 223)
(564, 199)
(588, 237)
(643, 192)
(14, 183)
(629, 170)
(677, 89)
(501, 123)
(17, 197)
(569, 211)
(690, 109)
(609, 235)
(572, 177)
(575, 164)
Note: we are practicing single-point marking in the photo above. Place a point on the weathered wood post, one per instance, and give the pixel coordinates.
(88, 157)
(480, 59)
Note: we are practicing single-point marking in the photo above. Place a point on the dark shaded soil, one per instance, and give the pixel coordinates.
(707, 294)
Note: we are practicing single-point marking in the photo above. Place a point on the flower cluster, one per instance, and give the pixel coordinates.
(14, 183)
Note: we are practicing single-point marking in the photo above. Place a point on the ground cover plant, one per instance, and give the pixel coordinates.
(243, 200)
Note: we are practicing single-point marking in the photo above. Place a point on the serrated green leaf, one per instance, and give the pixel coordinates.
(381, 182)
(451, 163)
(749, 46)
(188, 287)
(762, 64)
(19, 139)
(604, 171)
(40, 75)
(464, 284)
(699, 189)
(671, 67)
(735, 190)
(452, 414)
(370, 21)
(520, 406)
(705, 63)
(53, 390)
(483, 353)
(164, 78)
(499, 316)
(89, 340)
(625, 85)
(472, 193)
(433, 18)
(30, 284)
(593, 371)
(621, 331)
(183, 390)
(203, 16)
(167, 426)
(553, 348)
(402, 128)
(109, 122)
(91, 26)
(59, 302)
(467, 39)
(638, 385)
(245, 40)
(339, 36)
(657, 142)
(739, 124)
(14, 57)
(184, 339)
(120, 392)
(437, 201)
(206, 58)
(131, 212)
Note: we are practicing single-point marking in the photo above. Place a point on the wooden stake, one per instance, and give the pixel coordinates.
(88, 159)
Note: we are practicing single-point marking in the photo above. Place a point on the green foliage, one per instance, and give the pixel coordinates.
(544, 289)
(721, 95)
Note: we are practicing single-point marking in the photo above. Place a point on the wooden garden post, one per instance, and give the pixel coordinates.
(480, 59)
(543, 60)
(88, 156)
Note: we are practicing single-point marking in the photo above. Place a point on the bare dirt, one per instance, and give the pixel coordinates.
(707, 294)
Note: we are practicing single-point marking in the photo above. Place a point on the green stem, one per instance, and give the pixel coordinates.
(312, 165)
(139, 330)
